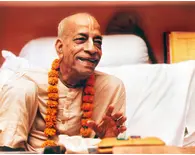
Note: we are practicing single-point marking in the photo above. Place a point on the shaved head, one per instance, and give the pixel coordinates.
(79, 18)
(78, 46)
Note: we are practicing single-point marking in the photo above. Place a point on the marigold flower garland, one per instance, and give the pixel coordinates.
(52, 104)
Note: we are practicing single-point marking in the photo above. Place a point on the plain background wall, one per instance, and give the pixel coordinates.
(21, 22)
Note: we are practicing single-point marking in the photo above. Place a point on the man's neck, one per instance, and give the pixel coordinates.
(70, 81)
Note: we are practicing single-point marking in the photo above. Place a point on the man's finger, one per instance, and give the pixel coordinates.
(121, 121)
(116, 131)
(98, 129)
(109, 111)
(108, 120)
(117, 116)
(91, 124)
(119, 129)
(122, 129)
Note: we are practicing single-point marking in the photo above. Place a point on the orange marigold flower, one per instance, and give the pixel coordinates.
(87, 106)
(50, 124)
(52, 89)
(88, 98)
(53, 73)
(89, 90)
(84, 121)
(87, 114)
(85, 132)
(55, 64)
(52, 104)
(51, 111)
(53, 80)
(50, 118)
(50, 131)
(91, 80)
(53, 96)
(48, 143)
(92, 77)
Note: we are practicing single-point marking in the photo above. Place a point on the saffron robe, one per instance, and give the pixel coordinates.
(23, 104)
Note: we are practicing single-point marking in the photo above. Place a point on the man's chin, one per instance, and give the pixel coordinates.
(86, 72)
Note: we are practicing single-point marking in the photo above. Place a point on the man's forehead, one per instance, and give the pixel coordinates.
(84, 28)
(84, 20)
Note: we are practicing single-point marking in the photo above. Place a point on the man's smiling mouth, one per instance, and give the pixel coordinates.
(91, 60)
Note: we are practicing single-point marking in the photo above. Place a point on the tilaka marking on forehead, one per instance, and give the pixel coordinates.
(91, 22)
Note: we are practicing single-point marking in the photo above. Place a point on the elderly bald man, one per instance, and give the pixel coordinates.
(71, 98)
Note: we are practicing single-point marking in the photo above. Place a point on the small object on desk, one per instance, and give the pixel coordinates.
(135, 137)
(92, 149)
(122, 136)
(118, 138)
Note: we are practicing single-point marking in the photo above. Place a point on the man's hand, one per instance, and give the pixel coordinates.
(110, 126)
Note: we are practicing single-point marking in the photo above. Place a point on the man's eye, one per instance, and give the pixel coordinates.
(80, 40)
(98, 42)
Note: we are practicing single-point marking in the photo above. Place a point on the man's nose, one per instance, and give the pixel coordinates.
(90, 47)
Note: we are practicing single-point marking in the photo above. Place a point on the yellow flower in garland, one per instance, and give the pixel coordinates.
(53, 96)
(84, 121)
(50, 124)
(55, 65)
(89, 90)
(51, 111)
(52, 105)
(85, 131)
(53, 80)
(50, 118)
(87, 106)
(48, 143)
(52, 89)
(50, 131)
(53, 73)
(87, 114)
(88, 98)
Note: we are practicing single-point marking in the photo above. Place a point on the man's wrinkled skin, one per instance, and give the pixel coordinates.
(79, 50)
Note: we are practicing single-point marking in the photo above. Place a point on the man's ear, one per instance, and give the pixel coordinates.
(59, 48)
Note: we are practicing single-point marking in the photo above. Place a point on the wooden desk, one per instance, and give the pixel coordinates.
(153, 150)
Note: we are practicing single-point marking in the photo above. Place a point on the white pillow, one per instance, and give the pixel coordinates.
(117, 50)
(40, 52)
(122, 50)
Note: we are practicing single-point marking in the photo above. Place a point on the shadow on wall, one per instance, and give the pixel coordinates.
(127, 23)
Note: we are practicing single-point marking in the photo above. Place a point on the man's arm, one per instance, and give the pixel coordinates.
(18, 108)
(109, 107)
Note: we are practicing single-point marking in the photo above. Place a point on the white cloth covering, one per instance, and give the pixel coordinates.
(158, 99)
(77, 144)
